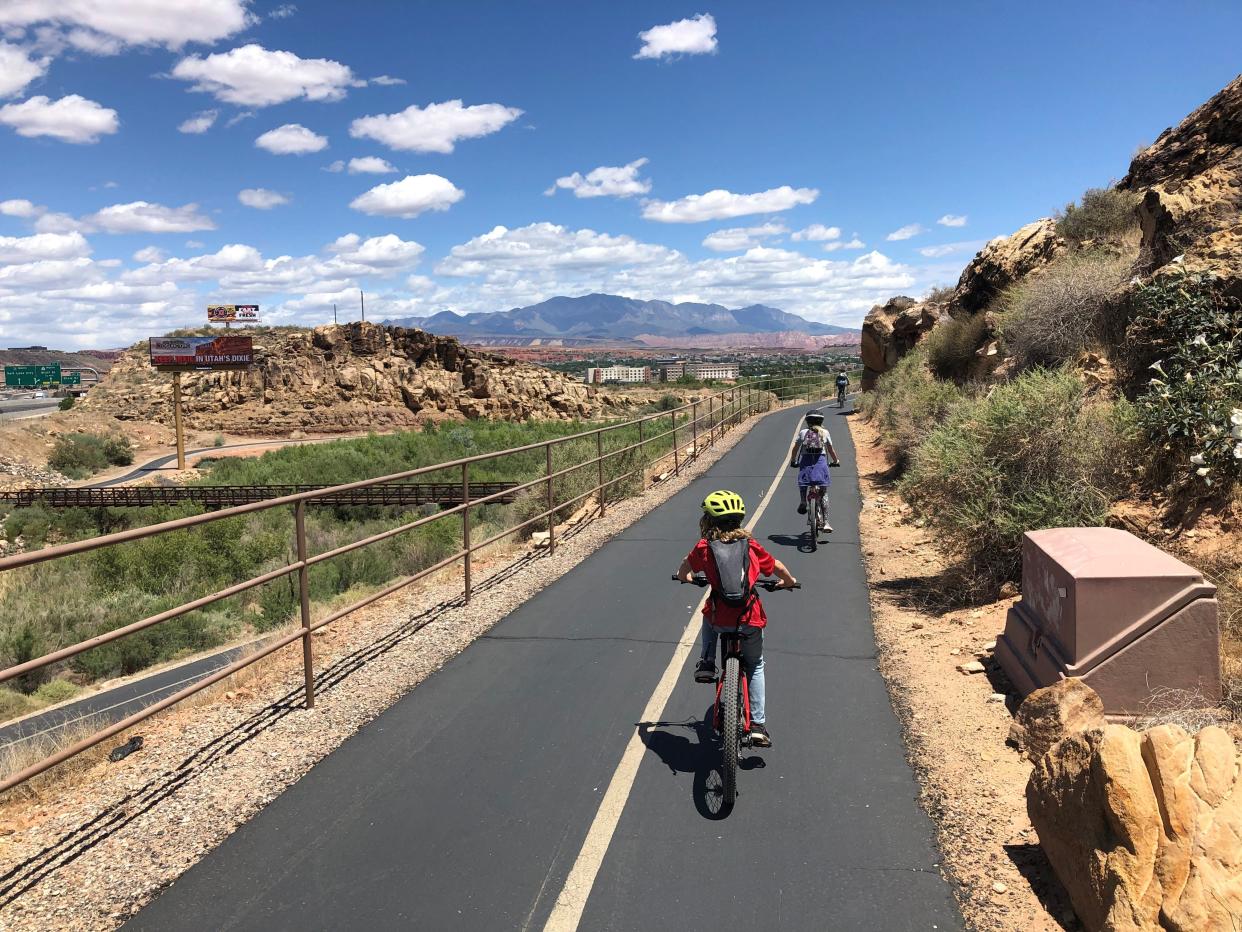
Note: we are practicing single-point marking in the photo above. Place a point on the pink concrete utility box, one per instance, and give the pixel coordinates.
(1100, 604)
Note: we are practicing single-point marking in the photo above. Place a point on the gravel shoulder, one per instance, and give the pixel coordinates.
(955, 723)
(89, 847)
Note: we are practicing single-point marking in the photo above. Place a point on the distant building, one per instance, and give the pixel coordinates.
(599, 375)
(670, 368)
(713, 370)
(18, 349)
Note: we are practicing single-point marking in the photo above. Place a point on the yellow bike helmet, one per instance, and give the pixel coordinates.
(722, 503)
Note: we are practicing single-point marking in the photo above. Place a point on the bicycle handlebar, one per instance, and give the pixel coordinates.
(769, 584)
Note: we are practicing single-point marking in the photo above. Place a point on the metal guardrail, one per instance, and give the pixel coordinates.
(222, 496)
(706, 421)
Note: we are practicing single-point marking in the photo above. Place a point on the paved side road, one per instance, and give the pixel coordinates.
(466, 804)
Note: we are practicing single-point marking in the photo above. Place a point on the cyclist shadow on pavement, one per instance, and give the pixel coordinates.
(801, 541)
(671, 741)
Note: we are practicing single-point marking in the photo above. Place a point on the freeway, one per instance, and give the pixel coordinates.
(12, 409)
(551, 776)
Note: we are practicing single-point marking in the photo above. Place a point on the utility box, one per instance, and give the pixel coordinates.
(1126, 617)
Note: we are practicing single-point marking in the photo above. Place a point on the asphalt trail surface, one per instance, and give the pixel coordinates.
(465, 805)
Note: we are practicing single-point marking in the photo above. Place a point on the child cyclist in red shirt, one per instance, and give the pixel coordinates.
(733, 560)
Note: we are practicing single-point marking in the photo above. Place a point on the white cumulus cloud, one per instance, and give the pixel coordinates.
(735, 239)
(253, 76)
(70, 119)
(43, 246)
(20, 207)
(145, 217)
(261, 198)
(102, 25)
(199, 123)
(606, 181)
(948, 249)
(434, 128)
(385, 80)
(952, 220)
(367, 165)
(291, 139)
(695, 36)
(378, 252)
(816, 232)
(906, 232)
(721, 205)
(409, 197)
(854, 243)
(149, 254)
(17, 69)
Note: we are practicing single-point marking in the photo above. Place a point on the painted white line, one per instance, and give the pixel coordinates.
(571, 902)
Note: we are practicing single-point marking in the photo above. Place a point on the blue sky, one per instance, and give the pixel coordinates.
(812, 132)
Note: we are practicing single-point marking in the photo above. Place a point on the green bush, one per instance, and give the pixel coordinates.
(1101, 214)
(951, 345)
(14, 703)
(55, 691)
(80, 455)
(1033, 453)
(1050, 318)
(941, 294)
(1191, 408)
(66, 403)
(908, 403)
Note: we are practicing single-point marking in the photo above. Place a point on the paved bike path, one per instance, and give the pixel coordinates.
(465, 805)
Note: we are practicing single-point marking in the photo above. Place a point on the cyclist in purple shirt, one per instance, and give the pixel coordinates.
(810, 453)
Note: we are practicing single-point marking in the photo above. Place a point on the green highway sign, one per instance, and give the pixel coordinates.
(31, 376)
(71, 378)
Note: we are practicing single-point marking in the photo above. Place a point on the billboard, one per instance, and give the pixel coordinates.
(201, 352)
(232, 313)
(31, 376)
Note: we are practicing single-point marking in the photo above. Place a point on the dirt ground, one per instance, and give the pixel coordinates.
(973, 785)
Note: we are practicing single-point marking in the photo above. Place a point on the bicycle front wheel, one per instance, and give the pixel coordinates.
(731, 727)
(812, 520)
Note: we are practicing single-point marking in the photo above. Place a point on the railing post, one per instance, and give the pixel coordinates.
(599, 459)
(551, 502)
(465, 522)
(642, 457)
(308, 656)
(694, 410)
(711, 420)
(676, 453)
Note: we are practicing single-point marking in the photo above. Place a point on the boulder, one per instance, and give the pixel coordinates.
(1144, 829)
(891, 330)
(1002, 262)
(1047, 715)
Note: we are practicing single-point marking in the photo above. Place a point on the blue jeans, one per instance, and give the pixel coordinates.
(758, 689)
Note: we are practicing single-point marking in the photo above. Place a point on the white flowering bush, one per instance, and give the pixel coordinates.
(1191, 408)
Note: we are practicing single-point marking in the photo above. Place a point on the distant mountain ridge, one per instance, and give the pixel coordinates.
(612, 317)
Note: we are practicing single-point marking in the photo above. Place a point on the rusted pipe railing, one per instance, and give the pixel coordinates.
(724, 410)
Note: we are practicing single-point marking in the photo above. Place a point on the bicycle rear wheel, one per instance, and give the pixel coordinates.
(731, 729)
(812, 520)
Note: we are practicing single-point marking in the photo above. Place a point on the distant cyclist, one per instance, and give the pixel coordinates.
(731, 558)
(810, 454)
(843, 384)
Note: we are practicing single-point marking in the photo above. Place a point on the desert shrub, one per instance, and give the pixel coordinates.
(1050, 318)
(66, 403)
(668, 403)
(33, 524)
(79, 455)
(55, 691)
(14, 703)
(1100, 214)
(218, 440)
(941, 294)
(1191, 408)
(951, 346)
(908, 403)
(1033, 453)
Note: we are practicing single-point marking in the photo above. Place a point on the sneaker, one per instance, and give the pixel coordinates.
(826, 527)
(705, 672)
(802, 508)
(759, 737)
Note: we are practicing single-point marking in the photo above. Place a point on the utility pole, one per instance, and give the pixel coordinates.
(334, 314)
(362, 300)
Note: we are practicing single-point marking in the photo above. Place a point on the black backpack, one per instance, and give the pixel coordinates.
(733, 567)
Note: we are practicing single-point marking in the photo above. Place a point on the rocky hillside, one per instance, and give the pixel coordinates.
(351, 377)
(1188, 188)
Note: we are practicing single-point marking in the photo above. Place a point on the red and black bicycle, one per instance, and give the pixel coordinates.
(731, 712)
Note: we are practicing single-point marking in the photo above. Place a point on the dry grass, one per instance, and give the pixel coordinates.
(1190, 708)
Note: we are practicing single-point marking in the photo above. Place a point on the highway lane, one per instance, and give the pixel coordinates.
(26, 407)
(466, 805)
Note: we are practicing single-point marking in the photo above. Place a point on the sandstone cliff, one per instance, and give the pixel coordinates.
(1190, 183)
(351, 377)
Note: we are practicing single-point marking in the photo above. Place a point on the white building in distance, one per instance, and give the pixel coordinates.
(597, 375)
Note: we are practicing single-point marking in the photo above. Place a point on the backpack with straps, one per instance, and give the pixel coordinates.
(812, 441)
(732, 560)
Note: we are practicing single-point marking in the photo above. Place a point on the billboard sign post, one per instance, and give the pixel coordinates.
(188, 354)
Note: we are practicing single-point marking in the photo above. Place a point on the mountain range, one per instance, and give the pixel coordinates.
(612, 318)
